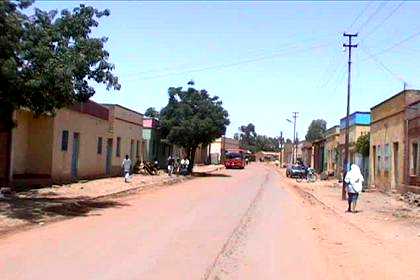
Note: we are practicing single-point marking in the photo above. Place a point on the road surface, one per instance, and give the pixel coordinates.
(238, 224)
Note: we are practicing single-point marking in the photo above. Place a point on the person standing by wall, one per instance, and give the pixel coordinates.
(126, 165)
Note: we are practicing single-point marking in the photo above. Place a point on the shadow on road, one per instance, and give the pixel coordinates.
(204, 174)
(33, 210)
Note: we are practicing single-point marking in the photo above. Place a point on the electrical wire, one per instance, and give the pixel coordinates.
(382, 65)
(360, 14)
(221, 66)
(383, 21)
(372, 15)
(412, 36)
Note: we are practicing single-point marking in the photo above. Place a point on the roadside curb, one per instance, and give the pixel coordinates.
(137, 189)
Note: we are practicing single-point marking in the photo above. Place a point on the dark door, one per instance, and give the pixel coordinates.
(396, 165)
(75, 154)
(108, 157)
(5, 137)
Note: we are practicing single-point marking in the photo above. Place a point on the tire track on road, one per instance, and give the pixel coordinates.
(238, 233)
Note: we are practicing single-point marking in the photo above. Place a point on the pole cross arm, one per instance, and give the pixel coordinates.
(350, 46)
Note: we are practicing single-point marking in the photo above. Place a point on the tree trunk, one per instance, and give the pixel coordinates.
(191, 157)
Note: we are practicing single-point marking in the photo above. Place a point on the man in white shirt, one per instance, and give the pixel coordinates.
(126, 165)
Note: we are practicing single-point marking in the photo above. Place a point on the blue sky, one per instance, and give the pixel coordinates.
(265, 60)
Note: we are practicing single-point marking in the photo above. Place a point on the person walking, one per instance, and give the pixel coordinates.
(354, 180)
(171, 163)
(126, 165)
(184, 166)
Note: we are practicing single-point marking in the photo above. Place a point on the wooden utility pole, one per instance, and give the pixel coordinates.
(294, 137)
(346, 144)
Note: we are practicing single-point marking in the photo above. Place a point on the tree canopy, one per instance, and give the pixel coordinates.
(151, 112)
(191, 118)
(316, 130)
(363, 144)
(250, 140)
(47, 59)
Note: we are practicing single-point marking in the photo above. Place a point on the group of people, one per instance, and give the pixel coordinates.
(174, 166)
(178, 166)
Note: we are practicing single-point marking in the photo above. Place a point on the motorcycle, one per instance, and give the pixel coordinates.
(310, 176)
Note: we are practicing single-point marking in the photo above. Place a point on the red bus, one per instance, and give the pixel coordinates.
(235, 159)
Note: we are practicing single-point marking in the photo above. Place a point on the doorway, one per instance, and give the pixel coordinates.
(5, 139)
(395, 165)
(108, 156)
(75, 155)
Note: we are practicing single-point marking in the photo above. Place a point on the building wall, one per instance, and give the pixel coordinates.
(127, 132)
(386, 133)
(90, 163)
(218, 146)
(331, 155)
(32, 145)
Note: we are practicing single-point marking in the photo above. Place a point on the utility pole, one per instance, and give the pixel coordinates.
(346, 144)
(281, 142)
(294, 136)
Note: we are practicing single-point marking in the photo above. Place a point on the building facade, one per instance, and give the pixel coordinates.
(154, 148)
(85, 141)
(390, 142)
(359, 124)
(413, 142)
(319, 155)
(217, 148)
(332, 159)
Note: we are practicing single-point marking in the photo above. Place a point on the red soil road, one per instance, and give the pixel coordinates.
(242, 225)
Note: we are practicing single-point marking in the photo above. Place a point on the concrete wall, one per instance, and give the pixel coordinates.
(32, 144)
(90, 163)
(331, 157)
(390, 130)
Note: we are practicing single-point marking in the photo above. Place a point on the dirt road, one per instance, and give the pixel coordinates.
(237, 224)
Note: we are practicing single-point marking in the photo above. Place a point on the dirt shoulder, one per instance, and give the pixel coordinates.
(39, 206)
(377, 243)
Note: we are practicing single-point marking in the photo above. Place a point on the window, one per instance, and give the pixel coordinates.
(415, 170)
(99, 148)
(137, 149)
(65, 140)
(118, 151)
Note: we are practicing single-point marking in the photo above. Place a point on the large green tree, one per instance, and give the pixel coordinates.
(316, 130)
(191, 118)
(247, 136)
(47, 59)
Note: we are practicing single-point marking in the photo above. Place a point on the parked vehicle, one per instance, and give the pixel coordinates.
(309, 175)
(234, 160)
(296, 171)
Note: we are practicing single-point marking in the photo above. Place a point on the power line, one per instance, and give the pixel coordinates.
(216, 67)
(382, 65)
(398, 43)
(384, 20)
(372, 15)
(360, 14)
(280, 47)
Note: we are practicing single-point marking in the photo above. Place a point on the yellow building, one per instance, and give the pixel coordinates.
(388, 147)
(85, 141)
(332, 162)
